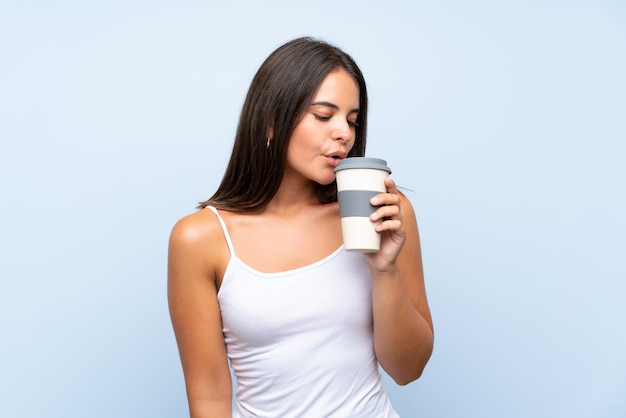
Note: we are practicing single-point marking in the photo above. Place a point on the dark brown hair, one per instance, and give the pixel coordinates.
(278, 96)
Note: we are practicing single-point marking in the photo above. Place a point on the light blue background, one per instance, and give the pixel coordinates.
(506, 118)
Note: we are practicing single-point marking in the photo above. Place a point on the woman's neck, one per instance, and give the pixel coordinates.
(292, 195)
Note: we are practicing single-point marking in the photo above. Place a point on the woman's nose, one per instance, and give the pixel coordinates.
(342, 131)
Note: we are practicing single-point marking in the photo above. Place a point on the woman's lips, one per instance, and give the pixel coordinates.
(333, 161)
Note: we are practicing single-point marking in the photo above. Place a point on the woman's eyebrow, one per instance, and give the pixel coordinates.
(332, 106)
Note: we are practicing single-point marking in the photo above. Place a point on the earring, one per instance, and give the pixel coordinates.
(268, 142)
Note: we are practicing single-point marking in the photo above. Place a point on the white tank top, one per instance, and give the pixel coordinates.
(300, 342)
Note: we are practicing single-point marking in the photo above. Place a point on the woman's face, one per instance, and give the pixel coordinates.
(326, 132)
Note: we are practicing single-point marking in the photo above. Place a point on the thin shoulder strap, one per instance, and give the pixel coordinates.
(226, 234)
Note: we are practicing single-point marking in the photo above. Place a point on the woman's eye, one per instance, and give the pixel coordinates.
(321, 117)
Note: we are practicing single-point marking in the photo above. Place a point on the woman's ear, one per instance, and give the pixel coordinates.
(270, 130)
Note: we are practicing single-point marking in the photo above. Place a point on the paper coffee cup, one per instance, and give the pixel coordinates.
(358, 180)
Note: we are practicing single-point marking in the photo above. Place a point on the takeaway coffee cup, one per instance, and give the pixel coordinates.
(358, 180)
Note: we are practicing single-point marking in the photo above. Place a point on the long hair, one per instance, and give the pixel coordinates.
(278, 96)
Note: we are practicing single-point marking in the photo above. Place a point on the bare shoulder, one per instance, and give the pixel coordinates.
(195, 228)
(411, 251)
(197, 241)
(408, 212)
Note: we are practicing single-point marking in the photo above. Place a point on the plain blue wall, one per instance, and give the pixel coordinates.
(507, 119)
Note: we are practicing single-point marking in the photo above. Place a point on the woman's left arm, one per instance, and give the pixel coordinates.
(403, 329)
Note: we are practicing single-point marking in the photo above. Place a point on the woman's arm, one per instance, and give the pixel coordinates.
(403, 329)
(192, 296)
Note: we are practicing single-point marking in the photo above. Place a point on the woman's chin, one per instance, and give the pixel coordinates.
(326, 181)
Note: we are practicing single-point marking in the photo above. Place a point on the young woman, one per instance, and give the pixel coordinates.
(258, 277)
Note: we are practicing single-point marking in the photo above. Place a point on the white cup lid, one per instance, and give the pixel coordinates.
(363, 162)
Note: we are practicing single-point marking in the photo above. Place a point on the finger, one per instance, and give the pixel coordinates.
(388, 199)
(389, 225)
(386, 212)
(391, 185)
